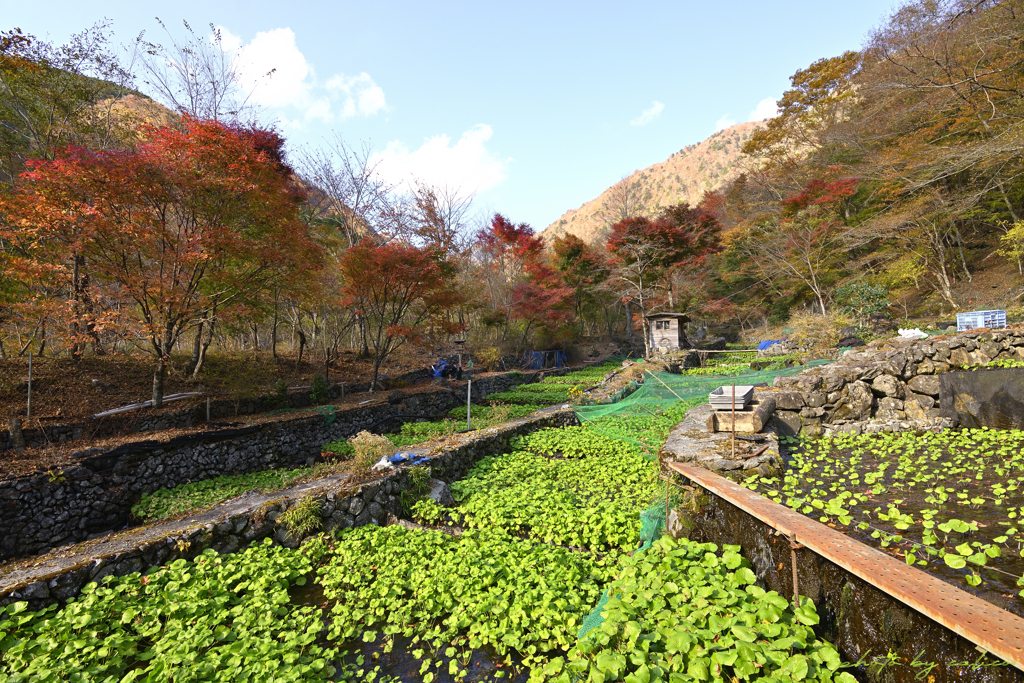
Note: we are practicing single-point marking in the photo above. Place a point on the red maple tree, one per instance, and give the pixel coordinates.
(401, 291)
(194, 220)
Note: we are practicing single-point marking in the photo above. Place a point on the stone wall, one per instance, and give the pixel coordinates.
(50, 509)
(147, 420)
(889, 385)
(341, 506)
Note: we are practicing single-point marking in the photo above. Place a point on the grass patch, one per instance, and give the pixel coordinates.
(200, 494)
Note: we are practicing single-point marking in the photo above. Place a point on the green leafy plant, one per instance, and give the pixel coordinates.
(303, 517)
(319, 389)
(948, 502)
(279, 397)
(166, 503)
(219, 618)
(682, 611)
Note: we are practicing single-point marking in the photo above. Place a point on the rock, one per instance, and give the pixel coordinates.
(37, 590)
(788, 400)
(356, 506)
(959, 357)
(376, 513)
(993, 398)
(925, 384)
(723, 465)
(856, 404)
(815, 400)
(887, 385)
(674, 524)
(440, 493)
(812, 427)
(786, 423)
(991, 349)
(923, 400)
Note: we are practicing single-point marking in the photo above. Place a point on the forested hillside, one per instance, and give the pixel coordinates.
(891, 180)
(683, 177)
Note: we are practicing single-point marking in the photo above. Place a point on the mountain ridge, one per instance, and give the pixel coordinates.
(685, 176)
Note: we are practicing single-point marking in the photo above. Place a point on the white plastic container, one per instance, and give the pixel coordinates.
(975, 319)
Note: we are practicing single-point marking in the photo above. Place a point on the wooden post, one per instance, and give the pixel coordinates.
(469, 402)
(733, 419)
(17, 438)
(207, 410)
(28, 407)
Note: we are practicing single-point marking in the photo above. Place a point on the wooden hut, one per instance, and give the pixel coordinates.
(667, 330)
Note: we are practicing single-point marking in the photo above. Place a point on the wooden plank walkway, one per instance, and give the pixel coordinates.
(987, 626)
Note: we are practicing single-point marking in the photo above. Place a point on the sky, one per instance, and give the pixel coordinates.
(535, 107)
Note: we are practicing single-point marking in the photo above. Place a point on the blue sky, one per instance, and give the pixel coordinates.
(539, 106)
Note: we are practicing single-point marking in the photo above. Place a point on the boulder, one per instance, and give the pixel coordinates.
(440, 493)
(925, 384)
(887, 385)
(923, 400)
(811, 426)
(788, 400)
(855, 403)
(890, 409)
(786, 423)
(989, 398)
(960, 357)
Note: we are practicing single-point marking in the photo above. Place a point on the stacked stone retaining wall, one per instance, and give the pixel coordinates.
(148, 420)
(341, 506)
(45, 510)
(50, 509)
(891, 384)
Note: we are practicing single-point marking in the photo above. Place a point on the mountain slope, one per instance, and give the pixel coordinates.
(684, 176)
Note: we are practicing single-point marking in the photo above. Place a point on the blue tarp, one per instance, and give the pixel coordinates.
(534, 360)
(766, 343)
(407, 458)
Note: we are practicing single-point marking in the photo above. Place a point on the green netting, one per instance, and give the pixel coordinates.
(665, 397)
(663, 389)
(652, 525)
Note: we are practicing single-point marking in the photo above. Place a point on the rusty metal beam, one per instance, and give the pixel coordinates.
(987, 626)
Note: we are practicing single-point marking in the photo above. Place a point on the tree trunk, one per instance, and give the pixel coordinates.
(365, 351)
(42, 342)
(158, 381)
(209, 323)
(205, 347)
(376, 371)
(273, 330)
(197, 344)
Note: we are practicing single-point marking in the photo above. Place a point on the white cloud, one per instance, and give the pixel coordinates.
(724, 122)
(649, 114)
(277, 72)
(361, 94)
(467, 164)
(765, 109)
